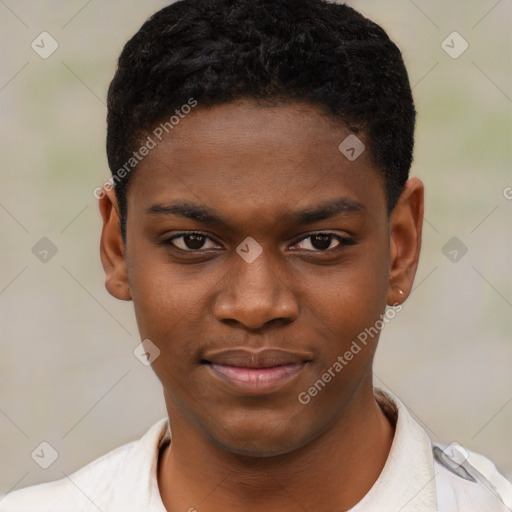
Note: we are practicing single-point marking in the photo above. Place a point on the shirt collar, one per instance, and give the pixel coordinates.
(406, 484)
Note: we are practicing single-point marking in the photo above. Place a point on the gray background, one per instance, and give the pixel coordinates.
(68, 374)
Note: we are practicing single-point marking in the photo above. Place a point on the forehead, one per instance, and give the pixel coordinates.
(256, 159)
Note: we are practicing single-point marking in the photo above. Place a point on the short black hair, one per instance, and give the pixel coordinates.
(217, 51)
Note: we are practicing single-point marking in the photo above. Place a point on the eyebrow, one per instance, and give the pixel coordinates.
(333, 208)
(206, 215)
(188, 210)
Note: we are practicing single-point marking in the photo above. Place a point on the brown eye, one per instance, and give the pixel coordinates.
(190, 241)
(319, 242)
(323, 242)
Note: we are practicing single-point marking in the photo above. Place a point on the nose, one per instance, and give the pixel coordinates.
(256, 294)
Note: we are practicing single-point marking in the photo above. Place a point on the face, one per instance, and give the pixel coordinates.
(256, 255)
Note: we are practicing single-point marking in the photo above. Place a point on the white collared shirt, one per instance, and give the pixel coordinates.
(125, 479)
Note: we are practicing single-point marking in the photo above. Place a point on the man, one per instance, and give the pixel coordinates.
(261, 217)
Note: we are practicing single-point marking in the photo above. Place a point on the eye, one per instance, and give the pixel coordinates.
(321, 242)
(190, 241)
(316, 242)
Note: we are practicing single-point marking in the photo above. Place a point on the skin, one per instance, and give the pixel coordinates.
(254, 165)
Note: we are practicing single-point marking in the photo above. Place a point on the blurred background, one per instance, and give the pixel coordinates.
(68, 375)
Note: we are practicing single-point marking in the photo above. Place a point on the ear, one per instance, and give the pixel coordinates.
(112, 250)
(405, 228)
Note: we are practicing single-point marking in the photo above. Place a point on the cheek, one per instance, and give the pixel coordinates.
(163, 294)
(162, 304)
(345, 310)
(350, 297)
(163, 310)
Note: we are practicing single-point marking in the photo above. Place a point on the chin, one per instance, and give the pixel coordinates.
(271, 438)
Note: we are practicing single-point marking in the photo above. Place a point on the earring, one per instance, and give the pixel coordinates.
(400, 291)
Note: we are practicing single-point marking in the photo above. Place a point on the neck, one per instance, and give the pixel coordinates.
(344, 462)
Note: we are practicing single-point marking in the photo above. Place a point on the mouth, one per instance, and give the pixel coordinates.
(256, 372)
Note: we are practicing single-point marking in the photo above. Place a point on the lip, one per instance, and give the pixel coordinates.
(256, 372)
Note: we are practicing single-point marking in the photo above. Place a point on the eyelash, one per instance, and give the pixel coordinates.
(342, 241)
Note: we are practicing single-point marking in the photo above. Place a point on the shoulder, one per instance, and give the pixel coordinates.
(460, 480)
(52, 496)
(93, 487)
(468, 481)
